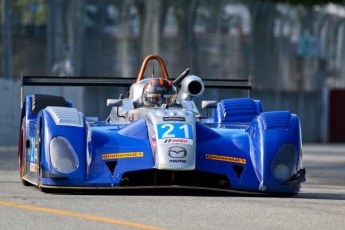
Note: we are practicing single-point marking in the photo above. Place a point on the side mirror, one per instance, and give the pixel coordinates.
(209, 104)
(114, 102)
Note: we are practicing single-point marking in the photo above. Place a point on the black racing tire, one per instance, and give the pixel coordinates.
(21, 153)
(39, 167)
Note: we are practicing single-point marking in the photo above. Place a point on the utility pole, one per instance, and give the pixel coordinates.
(6, 51)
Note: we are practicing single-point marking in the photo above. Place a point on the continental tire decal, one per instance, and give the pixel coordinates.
(226, 158)
(122, 155)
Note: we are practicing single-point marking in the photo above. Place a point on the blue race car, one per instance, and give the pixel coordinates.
(157, 138)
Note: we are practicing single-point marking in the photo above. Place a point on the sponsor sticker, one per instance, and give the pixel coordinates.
(173, 119)
(131, 117)
(32, 151)
(33, 167)
(177, 161)
(226, 158)
(177, 152)
(122, 155)
(153, 141)
(176, 141)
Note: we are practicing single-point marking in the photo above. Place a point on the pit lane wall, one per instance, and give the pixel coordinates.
(307, 105)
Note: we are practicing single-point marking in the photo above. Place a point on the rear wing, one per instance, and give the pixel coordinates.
(76, 81)
(122, 82)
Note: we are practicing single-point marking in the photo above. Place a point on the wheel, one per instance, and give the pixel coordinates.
(39, 168)
(21, 155)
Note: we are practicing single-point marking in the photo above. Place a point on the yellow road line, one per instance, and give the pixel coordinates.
(74, 214)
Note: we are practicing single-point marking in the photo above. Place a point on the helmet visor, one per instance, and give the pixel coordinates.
(154, 99)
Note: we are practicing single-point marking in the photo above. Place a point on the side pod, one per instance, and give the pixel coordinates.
(276, 149)
(62, 146)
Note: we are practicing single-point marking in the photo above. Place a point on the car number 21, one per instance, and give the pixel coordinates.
(175, 130)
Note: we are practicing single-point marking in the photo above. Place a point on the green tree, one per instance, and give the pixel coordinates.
(31, 12)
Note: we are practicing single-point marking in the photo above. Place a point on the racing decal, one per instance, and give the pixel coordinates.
(174, 119)
(122, 155)
(177, 152)
(32, 152)
(226, 158)
(177, 161)
(33, 167)
(153, 141)
(131, 117)
(152, 137)
(175, 133)
(176, 140)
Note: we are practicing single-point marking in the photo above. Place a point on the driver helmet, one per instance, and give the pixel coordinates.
(158, 91)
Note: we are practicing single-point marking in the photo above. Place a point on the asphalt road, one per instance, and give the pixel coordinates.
(319, 205)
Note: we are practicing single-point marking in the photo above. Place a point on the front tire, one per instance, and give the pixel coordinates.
(21, 155)
(39, 150)
(39, 166)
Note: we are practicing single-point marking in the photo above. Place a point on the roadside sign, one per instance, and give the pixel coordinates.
(308, 46)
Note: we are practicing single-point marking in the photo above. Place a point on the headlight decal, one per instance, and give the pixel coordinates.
(285, 161)
(62, 155)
